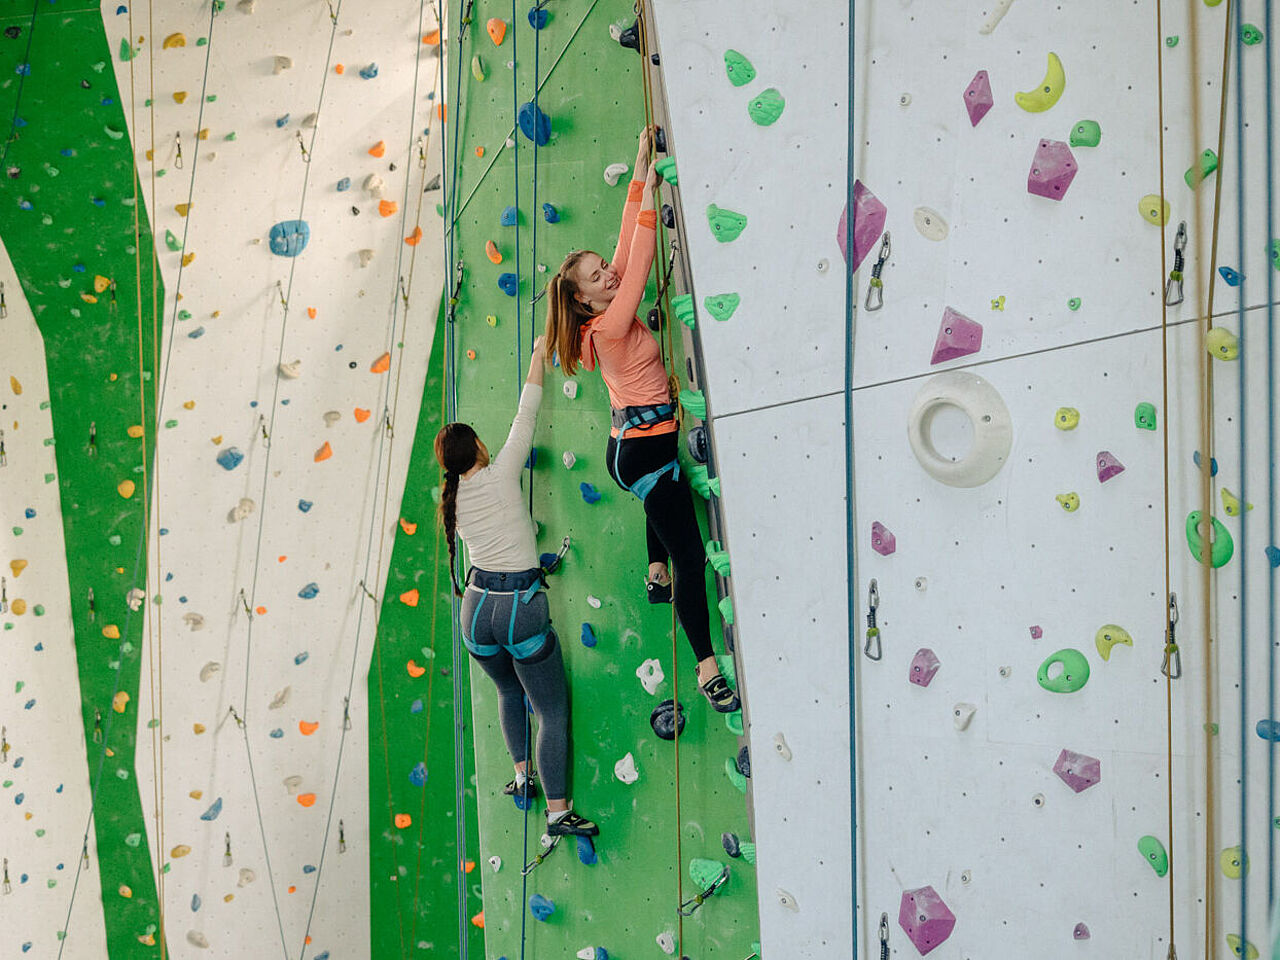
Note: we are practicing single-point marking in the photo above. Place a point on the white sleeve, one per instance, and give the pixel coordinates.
(511, 458)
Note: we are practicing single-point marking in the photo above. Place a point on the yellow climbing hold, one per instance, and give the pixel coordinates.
(1154, 210)
(101, 283)
(17, 566)
(191, 404)
(125, 488)
(187, 258)
(1108, 635)
(182, 208)
(216, 440)
(1066, 418)
(181, 850)
(1222, 344)
(111, 631)
(1070, 501)
(174, 40)
(16, 386)
(180, 96)
(1230, 504)
(120, 701)
(203, 134)
(1234, 863)
(199, 728)
(19, 607)
(1250, 952)
(196, 794)
(125, 891)
(135, 431)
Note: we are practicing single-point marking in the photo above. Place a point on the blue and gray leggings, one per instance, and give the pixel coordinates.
(509, 635)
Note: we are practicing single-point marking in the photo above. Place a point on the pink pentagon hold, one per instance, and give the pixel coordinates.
(869, 215)
(1036, 633)
(1108, 466)
(1052, 170)
(1077, 771)
(958, 336)
(977, 97)
(882, 541)
(925, 918)
(923, 666)
(1081, 931)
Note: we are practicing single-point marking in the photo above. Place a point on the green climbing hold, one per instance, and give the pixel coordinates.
(724, 663)
(726, 609)
(697, 475)
(1197, 172)
(685, 311)
(718, 558)
(1250, 34)
(736, 778)
(1171, 41)
(126, 50)
(203, 41)
(477, 69)
(1073, 304)
(1275, 254)
(667, 167)
(748, 851)
(171, 241)
(1086, 133)
(722, 305)
(211, 98)
(1243, 949)
(734, 722)
(766, 106)
(1156, 855)
(184, 314)
(1144, 416)
(1222, 547)
(725, 224)
(230, 136)
(704, 873)
(738, 68)
(1073, 675)
(170, 424)
(694, 402)
(38, 610)
(112, 132)
(219, 5)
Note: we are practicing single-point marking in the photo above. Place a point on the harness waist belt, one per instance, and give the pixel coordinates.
(642, 417)
(504, 582)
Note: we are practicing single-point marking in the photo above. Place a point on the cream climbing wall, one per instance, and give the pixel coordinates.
(956, 787)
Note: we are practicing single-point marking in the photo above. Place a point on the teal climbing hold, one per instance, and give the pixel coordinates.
(719, 559)
(694, 402)
(1222, 547)
(766, 106)
(1207, 164)
(1086, 133)
(1250, 34)
(726, 609)
(736, 778)
(706, 873)
(722, 305)
(726, 225)
(1144, 416)
(667, 168)
(684, 309)
(1073, 675)
(738, 68)
(1156, 855)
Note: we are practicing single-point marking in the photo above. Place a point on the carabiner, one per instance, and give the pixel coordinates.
(873, 631)
(1173, 289)
(875, 288)
(884, 936)
(1172, 665)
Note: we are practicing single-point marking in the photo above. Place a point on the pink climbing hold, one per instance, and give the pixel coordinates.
(869, 215)
(923, 666)
(1052, 170)
(882, 541)
(926, 919)
(1108, 466)
(1036, 633)
(958, 336)
(977, 97)
(1081, 931)
(1078, 771)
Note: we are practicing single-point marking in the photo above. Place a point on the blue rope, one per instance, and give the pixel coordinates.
(1271, 472)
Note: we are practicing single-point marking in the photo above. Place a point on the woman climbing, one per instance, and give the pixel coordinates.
(591, 321)
(505, 620)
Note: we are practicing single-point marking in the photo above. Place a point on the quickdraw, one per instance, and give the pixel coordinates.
(690, 906)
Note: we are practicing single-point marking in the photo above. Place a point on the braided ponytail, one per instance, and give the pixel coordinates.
(455, 447)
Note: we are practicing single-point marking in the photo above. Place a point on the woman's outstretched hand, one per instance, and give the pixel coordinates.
(642, 152)
(537, 361)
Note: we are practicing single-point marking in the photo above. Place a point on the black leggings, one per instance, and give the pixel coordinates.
(671, 528)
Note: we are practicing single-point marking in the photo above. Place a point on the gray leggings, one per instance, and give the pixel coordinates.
(540, 676)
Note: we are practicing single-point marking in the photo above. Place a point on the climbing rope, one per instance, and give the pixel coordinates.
(22, 80)
(1272, 900)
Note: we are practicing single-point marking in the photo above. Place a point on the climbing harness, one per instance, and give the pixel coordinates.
(522, 587)
(689, 907)
(549, 844)
(643, 418)
(1173, 289)
(884, 936)
(873, 631)
(875, 289)
(1172, 665)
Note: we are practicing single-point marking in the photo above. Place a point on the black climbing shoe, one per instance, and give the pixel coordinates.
(658, 592)
(720, 694)
(527, 792)
(572, 825)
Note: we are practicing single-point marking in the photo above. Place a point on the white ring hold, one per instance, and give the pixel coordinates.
(992, 428)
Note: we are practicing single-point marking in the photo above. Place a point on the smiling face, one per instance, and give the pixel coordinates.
(596, 280)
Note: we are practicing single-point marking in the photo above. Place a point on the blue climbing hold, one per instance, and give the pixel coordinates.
(121, 9)
(30, 513)
(214, 810)
(305, 505)
(1232, 277)
(1213, 463)
(537, 16)
(532, 460)
(309, 591)
(26, 205)
(508, 216)
(550, 562)
(534, 124)
(281, 121)
(1273, 555)
(522, 802)
(196, 333)
(276, 734)
(541, 907)
(97, 201)
(1269, 730)
(416, 706)
(195, 902)
(301, 658)
(550, 213)
(587, 852)
(23, 69)
(588, 634)
(508, 283)
(22, 796)
(289, 237)
(418, 775)
(589, 492)
(344, 184)
(308, 868)
(369, 72)
(230, 458)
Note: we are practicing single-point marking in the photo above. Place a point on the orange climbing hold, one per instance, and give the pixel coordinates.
(111, 631)
(431, 39)
(308, 727)
(135, 431)
(338, 68)
(197, 729)
(217, 441)
(409, 528)
(125, 488)
(180, 96)
(378, 149)
(497, 28)
(324, 453)
(382, 364)
(468, 866)
(403, 820)
(16, 386)
(478, 920)
(293, 889)
(307, 799)
(259, 610)
(360, 413)
(492, 252)
(441, 111)
(88, 298)
(479, 151)
(410, 597)
(414, 238)
(471, 354)
(101, 283)
(282, 558)
(311, 312)
(415, 671)
(387, 207)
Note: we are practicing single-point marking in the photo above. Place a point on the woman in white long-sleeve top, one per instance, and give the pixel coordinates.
(505, 619)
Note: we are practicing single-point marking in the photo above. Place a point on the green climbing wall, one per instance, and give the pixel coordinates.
(414, 869)
(67, 216)
(592, 91)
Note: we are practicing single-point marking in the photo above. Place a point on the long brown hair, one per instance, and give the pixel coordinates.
(456, 448)
(565, 315)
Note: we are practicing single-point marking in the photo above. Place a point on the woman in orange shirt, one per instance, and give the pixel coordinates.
(592, 322)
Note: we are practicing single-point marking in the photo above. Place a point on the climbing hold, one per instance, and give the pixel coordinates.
(477, 69)
(1066, 418)
(181, 850)
(977, 97)
(387, 207)
(491, 251)
(17, 566)
(625, 769)
(925, 918)
(682, 306)
(613, 172)
(1073, 304)
(1086, 133)
(726, 225)
(324, 453)
(1050, 89)
(924, 665)
(497, 30)
(1144, 416)
(588, 636)
(1268, 730)
(1231, 503)
(1222, 547)
(540, 906)
(666, 167)
(1108, 635)
(214, 810)
(694, 402)
(667, 719)
(120, 702)
(369, 72)
(378, 149)
(125, 488)
(309, 592)
(410, 597)
(869, 216)
(651, 676)
(1234, 863)
(929, 223)
(722, 305)
(958, 336)
(1156, 855)
(1231, 276)
(1154, 210)
(1080, 932)
(1222, 344)
(290, 370)
(550, 214)
(534, 124)
(1250, 35)
(509, 284)
(110, 631)
(174, 40)
(1108, 466)
(992, 428)
(962, 714)
(764, 108)
(1052, 170)
(1249, 951)
(882, 541)
(739, 68)
(288, 238)
(414, 670)
(1073, 675)
(1069, 502)
(1077, 771)
(509, 216)
(1197, 172)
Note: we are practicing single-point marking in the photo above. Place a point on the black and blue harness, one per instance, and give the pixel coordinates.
(524, 586)
(643, 418)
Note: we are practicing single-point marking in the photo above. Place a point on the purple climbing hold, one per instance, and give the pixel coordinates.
(923, 666)
(1052, 170)
(977, 97)
(958, 336)
(1081, 931)
(869, 215)
(1078, 771)
(925, 918)
(882, 541)
(1108, 466)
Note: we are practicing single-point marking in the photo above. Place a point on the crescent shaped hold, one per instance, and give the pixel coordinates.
(1050, 89)
(998, 10)
(1108, 636)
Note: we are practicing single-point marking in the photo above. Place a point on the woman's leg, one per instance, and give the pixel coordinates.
(542, 677)
(512, 715)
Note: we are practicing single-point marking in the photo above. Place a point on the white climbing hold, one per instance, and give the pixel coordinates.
(331, 417)
(208, 670)
(780, 745)
(613, 173)
(292, 783)
(788, 900)
(310, 120)
(291, 370)
(246, 6)
(280, 699)
(586, 953)
(651, 675)
(241, 510)
(510, 141)
(546, 841)
(667, 942)
(930, 223)
(625, 769)
(281, 63)
(247, 877)
(375, 186)
(997, 13)
(365, 256)
(961, 714)
(571, 389)
(197, 939)
(615, 31)
(194, 620)
(569, 459)
(495, 862)
(134, 598)
(593, 602)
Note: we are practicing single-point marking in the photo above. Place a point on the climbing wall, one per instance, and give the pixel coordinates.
(626, 900)
(1064, 549)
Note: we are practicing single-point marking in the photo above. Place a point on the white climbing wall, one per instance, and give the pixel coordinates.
(976, 813)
